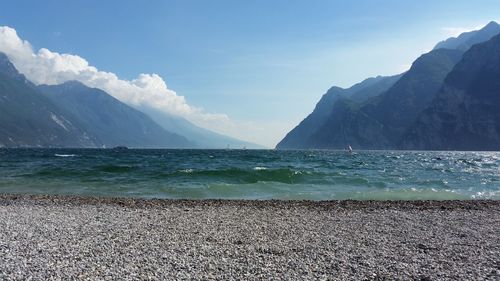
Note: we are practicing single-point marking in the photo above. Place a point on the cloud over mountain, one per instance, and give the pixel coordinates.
(147, 90)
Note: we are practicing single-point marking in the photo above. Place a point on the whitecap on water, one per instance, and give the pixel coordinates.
(187, 171)
(65, 155)
(484, 195)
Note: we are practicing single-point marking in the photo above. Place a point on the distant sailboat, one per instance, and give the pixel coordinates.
(349, 148)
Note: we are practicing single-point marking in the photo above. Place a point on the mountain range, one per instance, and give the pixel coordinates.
(427, 107)
(30, 119)
(465, 113)
(74, 115)
(111, 122)
(447, 100)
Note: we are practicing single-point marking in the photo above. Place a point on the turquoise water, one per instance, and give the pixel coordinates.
(252, 174)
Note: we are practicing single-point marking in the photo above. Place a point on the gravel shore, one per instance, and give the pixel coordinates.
(58, 237)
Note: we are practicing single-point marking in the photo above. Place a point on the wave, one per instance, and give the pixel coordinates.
(321, 175)
(259, 168)
(242, 176)
(281, 191)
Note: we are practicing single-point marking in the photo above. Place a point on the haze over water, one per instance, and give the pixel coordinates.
(252, 174)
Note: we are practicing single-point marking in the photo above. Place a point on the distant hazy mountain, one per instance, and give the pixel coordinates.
(468, 39)
(380, 121)
(198, 137)
(112, 122)
(300, 136)
(28, 119)
(465, 114)
(74, 115)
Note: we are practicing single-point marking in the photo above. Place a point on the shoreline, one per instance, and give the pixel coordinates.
(47, 236)
(159, 202)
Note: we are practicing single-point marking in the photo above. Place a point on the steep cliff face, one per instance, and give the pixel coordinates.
(308, 134)
(28, 119)
(112, 122)
(402, 112)
(465, 114)
(71, 115)
(348, 125)
(401, 104)
(379, 122)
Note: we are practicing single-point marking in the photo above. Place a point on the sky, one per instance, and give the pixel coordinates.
(249, 69)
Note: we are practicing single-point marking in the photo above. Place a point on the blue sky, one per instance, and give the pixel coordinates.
(264, 63)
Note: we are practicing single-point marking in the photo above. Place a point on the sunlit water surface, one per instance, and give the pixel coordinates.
(252, 174)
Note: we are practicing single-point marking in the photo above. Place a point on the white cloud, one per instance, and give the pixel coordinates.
(147, 90)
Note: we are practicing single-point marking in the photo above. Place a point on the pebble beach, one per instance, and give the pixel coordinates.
(85, 238)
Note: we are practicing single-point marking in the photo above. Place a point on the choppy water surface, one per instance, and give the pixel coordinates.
(252, 174)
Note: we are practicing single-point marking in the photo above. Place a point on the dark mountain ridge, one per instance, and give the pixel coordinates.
(74, 115)
(110, 121)
(376, 122)
(464, 115)
(383, 120)
(300, 136)
(467, 39)
(401, 104)
(28, 119)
